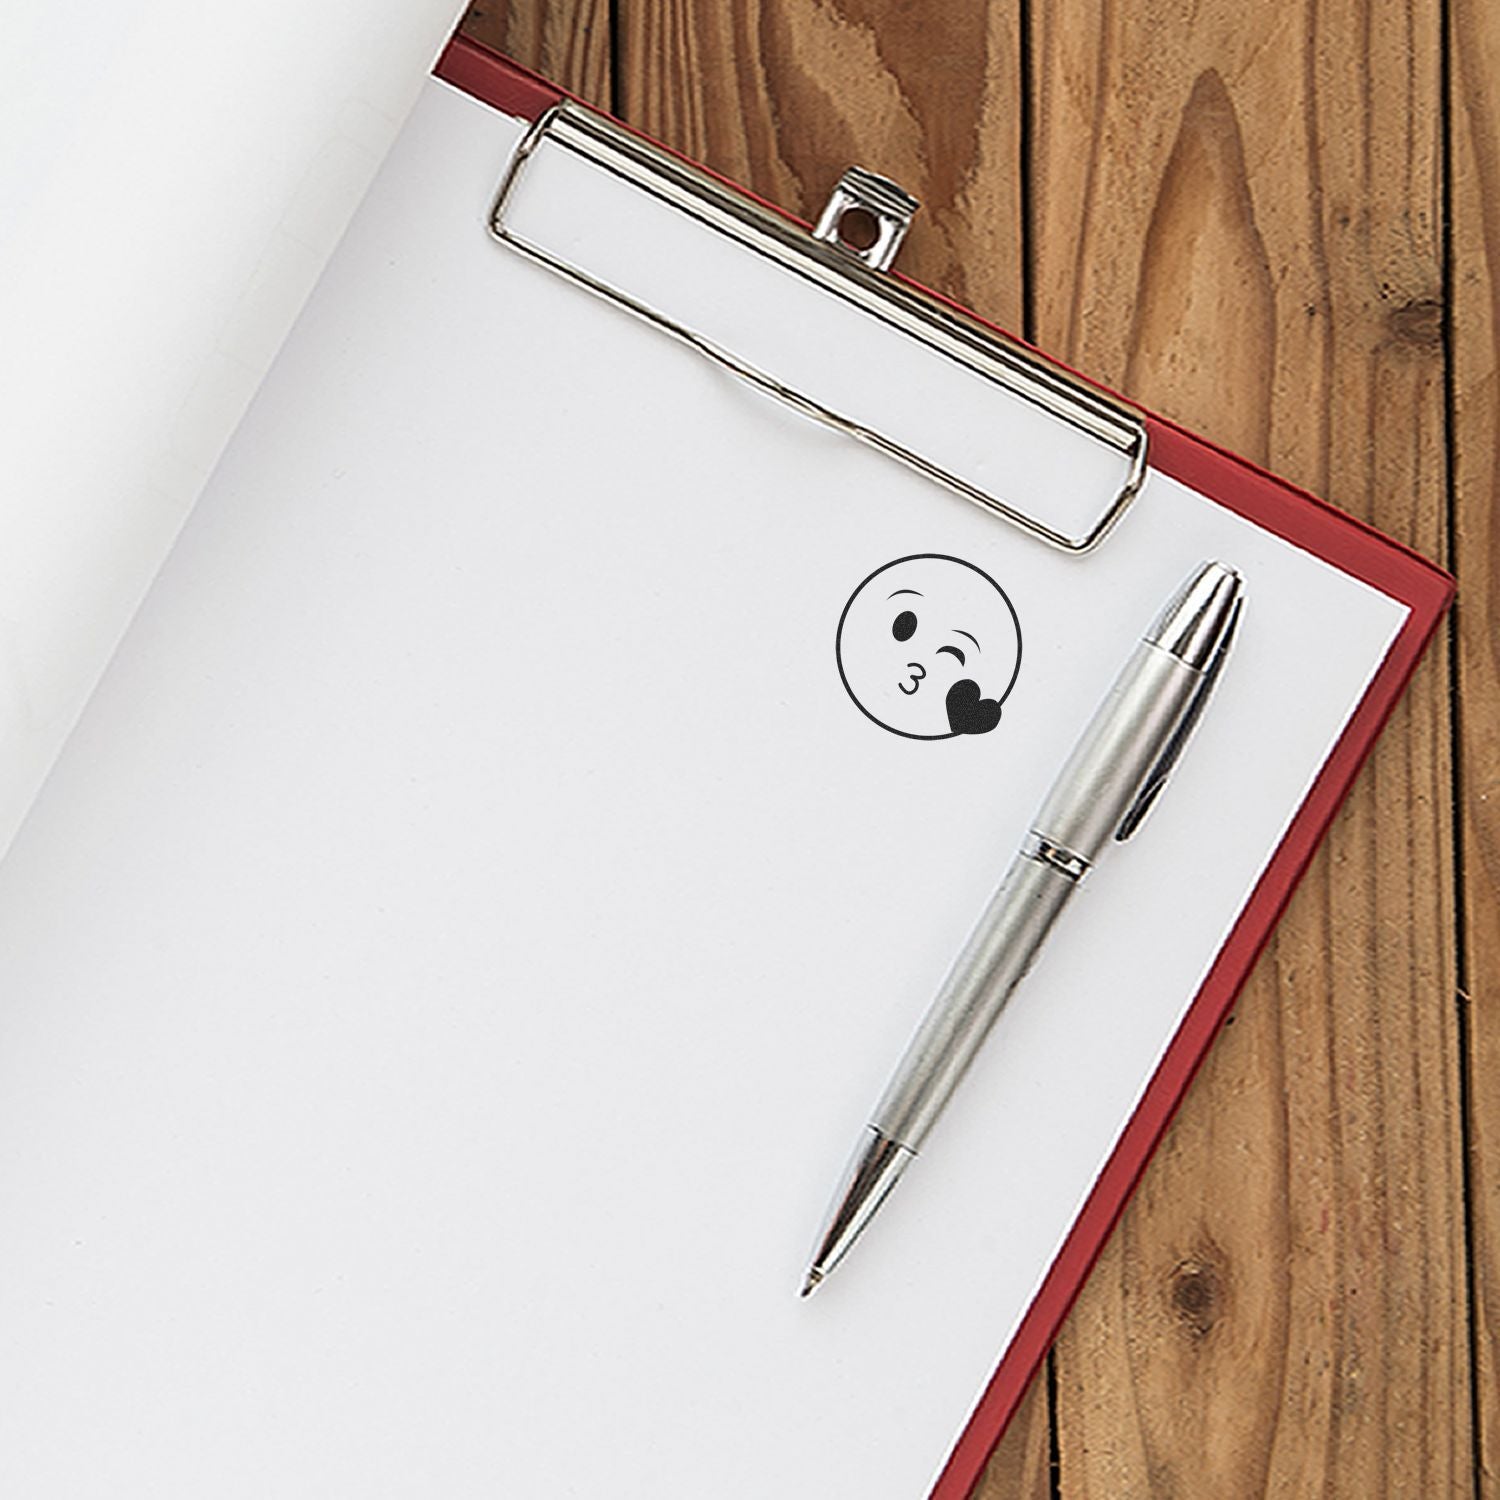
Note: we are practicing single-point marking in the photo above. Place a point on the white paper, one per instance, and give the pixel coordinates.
(171, 182)
(453, 958)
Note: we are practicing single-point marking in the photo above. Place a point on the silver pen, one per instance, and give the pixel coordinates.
(1118, 766)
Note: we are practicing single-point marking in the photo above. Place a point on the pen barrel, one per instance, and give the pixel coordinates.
(1095, 788)
(1130, 729)
(994, 960)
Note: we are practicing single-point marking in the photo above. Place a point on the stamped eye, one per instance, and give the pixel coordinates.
(954, 651)
(904, 626)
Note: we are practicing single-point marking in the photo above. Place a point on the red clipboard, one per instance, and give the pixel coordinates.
(1288, 512)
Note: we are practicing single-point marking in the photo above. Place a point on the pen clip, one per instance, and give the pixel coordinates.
(1156, 777)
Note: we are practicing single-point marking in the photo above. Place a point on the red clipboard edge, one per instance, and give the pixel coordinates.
(1305, 521)
(1427, 591)
(496, 80)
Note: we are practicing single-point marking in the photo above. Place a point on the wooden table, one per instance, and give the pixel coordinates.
(1279, 222)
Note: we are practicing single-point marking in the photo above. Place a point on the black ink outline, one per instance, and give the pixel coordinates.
(838, 635)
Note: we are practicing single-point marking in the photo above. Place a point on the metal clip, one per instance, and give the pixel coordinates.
(867, 217)
(1156, 778)
(837, 260)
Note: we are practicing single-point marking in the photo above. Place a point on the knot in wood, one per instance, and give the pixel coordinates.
(1417, 323)
(1197, 1293)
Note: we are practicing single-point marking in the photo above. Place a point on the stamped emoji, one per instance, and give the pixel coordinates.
(929, 647)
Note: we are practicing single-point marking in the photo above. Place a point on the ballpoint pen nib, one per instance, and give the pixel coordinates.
(813, 1278)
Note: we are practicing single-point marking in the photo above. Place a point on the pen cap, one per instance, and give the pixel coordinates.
(1193, 621)
(1143, 716)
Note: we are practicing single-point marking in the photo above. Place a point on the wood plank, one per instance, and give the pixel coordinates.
(567, 41)
(1237, 220)
(1021, 1465)
(1474, 116)
(782, 97)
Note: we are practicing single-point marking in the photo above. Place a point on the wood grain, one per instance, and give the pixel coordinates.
(567, 41)
(1474, 116)
(1238, 221)
(782, 95)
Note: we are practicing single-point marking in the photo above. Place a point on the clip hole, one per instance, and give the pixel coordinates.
(858, 228)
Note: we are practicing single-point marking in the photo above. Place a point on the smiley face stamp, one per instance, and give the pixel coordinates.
(929, 647)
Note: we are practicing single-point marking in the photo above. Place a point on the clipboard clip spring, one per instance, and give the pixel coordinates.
(848, 254)
(867, 217)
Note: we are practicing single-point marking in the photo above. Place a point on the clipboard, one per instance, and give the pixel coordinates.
(1232, 481)
(202, 771)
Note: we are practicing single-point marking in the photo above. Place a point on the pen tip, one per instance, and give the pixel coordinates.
(813, 1278)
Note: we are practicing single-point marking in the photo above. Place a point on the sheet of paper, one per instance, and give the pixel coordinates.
(172, 182)
(451, 962)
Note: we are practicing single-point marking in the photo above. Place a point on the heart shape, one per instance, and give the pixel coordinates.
(968, 713)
